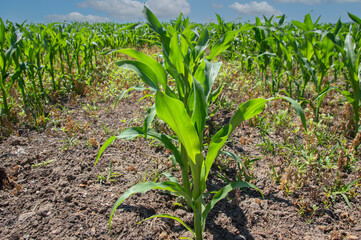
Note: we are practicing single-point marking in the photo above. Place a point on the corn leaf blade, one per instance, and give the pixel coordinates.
(150, 62)
(200, 111)
(145, 187)
(222, 45)
(173, 112)
(146, 73)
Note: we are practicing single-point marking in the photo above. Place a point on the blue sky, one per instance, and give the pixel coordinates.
(198, 10)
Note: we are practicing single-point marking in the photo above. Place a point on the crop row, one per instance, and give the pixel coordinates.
(298, 62)
(40, 60)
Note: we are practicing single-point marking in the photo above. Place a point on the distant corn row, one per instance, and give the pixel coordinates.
(295, 57)
(40, 60)
(288, 57)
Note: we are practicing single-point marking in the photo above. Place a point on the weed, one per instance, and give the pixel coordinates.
(110, 177)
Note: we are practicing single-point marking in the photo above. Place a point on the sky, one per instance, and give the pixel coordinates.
(201, 11)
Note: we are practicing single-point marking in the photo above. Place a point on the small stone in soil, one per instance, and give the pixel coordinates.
(344, 215)
(68, 198)
(25, 216)
(44, 210)
(70, 177)
(62, 183)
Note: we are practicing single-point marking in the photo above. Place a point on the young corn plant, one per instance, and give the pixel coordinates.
(350, 50)
(185, 110)
(9, 45)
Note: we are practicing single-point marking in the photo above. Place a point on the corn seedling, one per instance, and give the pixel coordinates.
(185, 111)
(42, 164)
(110, 177)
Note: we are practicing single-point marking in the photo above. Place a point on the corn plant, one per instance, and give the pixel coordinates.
(350, 50)
(185, 110)
(9, 43)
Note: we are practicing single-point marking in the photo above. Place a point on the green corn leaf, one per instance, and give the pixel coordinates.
(354, 18)
(176, 56)
(174, 113)
(131, 133)
(322, 94)
(206, 74)
(200, 111)
(217, 142)
(179, 22)
(337, 27)
(170, 92)
(299, 24)
(149, 117)
(150, 62)
(173, 72)
(246, 27)
(222, 45)
(167, 143)
(145, 187)
(215, 94)
(247, 110)
(282, 20)
(202, 43)
(146, 73)
(200, 73)
(349, 96)
(244, 112)
(203, 38)
(297, 107)
(223, 193)
(211, 73)
(129, 26)
(186, 41)
(2, 32)
(190, 102)
(153, 22)
(171, 217)
(105, 145)
(170, 177)
(2, 61)
(350, 50)
(258, 22)
(219, 19)
(308, 22)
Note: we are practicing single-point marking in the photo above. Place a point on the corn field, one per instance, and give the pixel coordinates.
(189, 72)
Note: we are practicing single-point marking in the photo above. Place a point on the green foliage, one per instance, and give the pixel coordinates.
(185, 110)
(302, 60)
(42, 62)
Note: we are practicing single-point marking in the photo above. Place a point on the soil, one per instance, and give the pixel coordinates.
(50, 188)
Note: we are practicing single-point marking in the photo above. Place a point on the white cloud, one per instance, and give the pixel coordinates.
(131, 9)
(308, 2)
(121, 9)
(313, 2)
(216, 5)
(169, 8)
(255, 9)
(347, 1)
(76, 17)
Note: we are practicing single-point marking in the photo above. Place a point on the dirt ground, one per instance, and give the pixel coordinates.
(50, 188)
